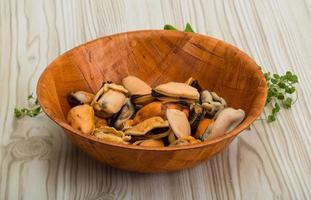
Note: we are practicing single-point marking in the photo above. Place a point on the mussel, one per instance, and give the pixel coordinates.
(139, 90)
(109, 100)
(79, 98)
(176, 92)
(123, 115)
(81, 118)
(111, 134)
(149, 143)
(147, 125)
(226, 121)
(212, 103)
(186, 140)
(178, 122)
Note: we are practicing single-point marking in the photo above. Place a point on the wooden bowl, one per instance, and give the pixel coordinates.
(155, 56)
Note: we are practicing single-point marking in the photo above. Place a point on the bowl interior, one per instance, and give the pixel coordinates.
(155, 57)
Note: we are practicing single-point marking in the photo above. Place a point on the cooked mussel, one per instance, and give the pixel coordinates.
(154, 109)
(100, 122)
(149, 143)
(194, 83)
(226, 121)
(147, 125)
(81, 118)
(178, 122)
(123, 115)
(201, 132)
(109, 100)
(139, 91)
(176, 92)
(197, 113)
(212, 103)
(185, 140)
(79, 98)
(110, 134)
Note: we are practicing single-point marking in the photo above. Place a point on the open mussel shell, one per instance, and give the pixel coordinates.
(127, 111)
(194, 83)
(79, 98)
(197, 113)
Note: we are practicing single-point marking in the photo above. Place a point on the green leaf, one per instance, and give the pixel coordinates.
(17, 113)
(295, 79)
(290, 90)
(271, 118)
(169, 27)
(288, 73)
(276, 109)
(288, 102)
(188, 28)
(274, 81)
(30, 111)
(276, 76)
(282, 85)
(279, 88)
(280, 96)
(30, 96)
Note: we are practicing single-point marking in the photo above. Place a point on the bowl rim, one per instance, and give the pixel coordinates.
(245, 124)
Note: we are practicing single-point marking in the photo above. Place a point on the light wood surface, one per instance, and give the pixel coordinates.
(271, 161)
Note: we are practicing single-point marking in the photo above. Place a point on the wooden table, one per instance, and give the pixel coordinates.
(270, 161)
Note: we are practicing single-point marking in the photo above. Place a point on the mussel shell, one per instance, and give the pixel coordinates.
(196, 85)
(157, 133)
(146, 126)
(141, 100)
(73, 101)
(126, 112)
(166, 99)
(156, 94)
(197, 113)
(79, 98)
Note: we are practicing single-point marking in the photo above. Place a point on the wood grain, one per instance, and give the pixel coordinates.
(272, 161)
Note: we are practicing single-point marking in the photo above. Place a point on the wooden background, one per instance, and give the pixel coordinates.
(271, 161)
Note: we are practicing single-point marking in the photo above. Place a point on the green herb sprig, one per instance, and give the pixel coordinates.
(280, 91)
(188, 28)
(31, 111)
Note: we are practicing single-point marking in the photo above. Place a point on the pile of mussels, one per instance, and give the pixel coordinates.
(171, 114)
